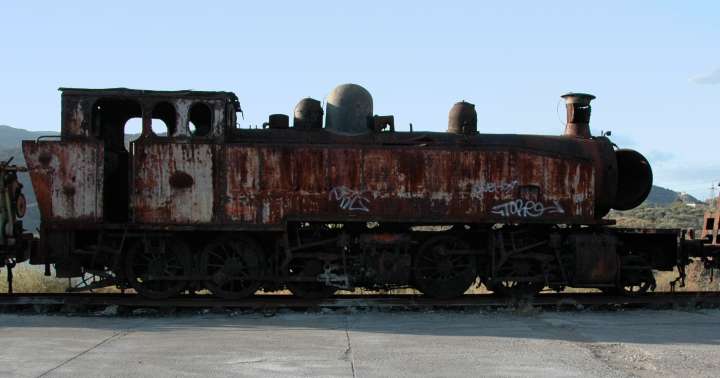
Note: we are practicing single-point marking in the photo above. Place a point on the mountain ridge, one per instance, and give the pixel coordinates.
(664, 196)
(10, 137)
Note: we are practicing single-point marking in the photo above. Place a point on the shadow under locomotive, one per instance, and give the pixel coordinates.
(202, 204)
(637, 327)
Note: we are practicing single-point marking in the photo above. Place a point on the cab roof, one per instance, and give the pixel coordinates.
(139, 93)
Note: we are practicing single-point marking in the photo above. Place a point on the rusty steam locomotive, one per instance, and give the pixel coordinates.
(204, 204)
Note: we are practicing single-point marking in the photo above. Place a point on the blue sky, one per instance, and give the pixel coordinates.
(654, 65)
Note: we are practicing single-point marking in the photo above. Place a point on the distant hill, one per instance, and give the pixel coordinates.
(649, 215)
(10, 137)
(664, 208)
(662, 196)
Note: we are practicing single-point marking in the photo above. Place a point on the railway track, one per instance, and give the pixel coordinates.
(262, 302)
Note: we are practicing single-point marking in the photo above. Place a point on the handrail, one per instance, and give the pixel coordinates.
(46, 136)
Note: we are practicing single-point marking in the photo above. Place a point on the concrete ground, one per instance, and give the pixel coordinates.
(365, 344)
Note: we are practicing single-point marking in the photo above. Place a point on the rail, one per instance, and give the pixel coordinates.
(406, 301)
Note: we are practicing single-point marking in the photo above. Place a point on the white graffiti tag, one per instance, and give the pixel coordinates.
(522, 208)
(351, 200)
(494, 187)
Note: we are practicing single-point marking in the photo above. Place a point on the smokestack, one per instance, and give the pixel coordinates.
(578, 114)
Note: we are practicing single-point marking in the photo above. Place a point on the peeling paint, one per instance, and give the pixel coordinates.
(156, 199)
(67, 178)
(387, 184)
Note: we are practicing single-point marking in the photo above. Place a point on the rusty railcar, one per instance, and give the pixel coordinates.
(202, 203)
(15, 243)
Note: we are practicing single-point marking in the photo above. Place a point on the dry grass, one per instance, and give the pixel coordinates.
(698, 279)
(31, 279)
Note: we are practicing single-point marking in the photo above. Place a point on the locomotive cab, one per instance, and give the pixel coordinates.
(88, 174)
(97, 172)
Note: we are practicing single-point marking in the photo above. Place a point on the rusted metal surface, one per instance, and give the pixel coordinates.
(338, 207)
(308, 114)
(711, 225)
(173, 183)
(265, 177)
(267, 184)
(578, 114)
(596, 260)
(80, 109)
(278, 121)
(598, 152)
(67, 177)
(658, 245)
(462, 118)
(12, 209)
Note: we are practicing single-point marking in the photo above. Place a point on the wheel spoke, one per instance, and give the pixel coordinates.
(439, 273)
(151, 261)
(231, 261)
